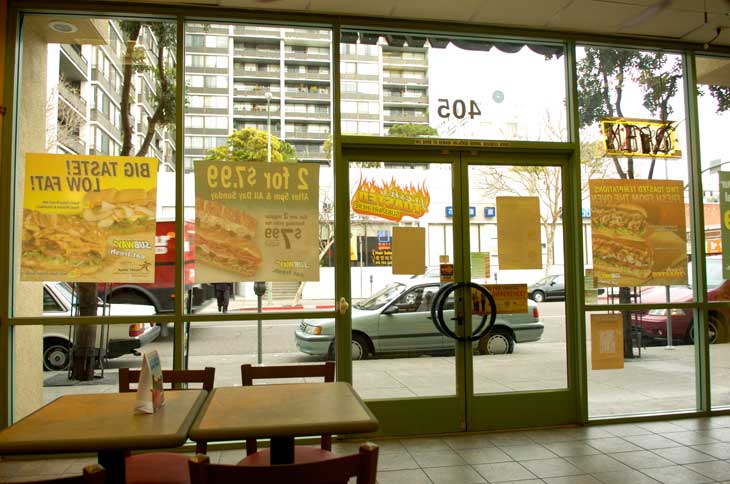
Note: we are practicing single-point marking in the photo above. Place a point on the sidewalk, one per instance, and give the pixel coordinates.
(241, 304)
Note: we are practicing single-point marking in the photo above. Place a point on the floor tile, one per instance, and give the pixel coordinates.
(641, 459)
(676, 475)
(683, 455)
(551, 468)
(424, 444)
(691, 437)
(623, 430)
(582, 479)
(488, 455)
(468, 441)
(625, 477)
(411, 476)
(720, 451)
(591, 464)
(394, 462)
(565, 449)
(718, 470)
(510, 438)
(612, 444)
(454, 475)
(437, 458)
(504, 471)
(528, 452)
(651, 441)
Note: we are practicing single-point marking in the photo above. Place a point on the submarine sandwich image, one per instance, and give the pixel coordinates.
(121, 211)
(61, 243)
(624, 220)
(224, 238)
(626, 261)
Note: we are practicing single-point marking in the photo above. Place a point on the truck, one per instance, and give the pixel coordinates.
(161, 293)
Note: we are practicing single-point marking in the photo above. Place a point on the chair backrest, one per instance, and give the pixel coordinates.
(364, 465)
(92, 474)
(206, 377)
(249, 373)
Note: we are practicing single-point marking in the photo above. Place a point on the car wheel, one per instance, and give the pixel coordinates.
(498, 341)
(538, 296)
(715, 332)
(359, 347)
(56, 355)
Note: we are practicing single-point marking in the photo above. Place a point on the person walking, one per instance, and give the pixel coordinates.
(223, 291)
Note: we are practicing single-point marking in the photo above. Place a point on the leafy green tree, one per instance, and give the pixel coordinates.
(411, 130)
(251, 144)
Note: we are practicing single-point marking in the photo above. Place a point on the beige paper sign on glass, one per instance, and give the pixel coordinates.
(518, 233)
(409, 250)
(607, 341)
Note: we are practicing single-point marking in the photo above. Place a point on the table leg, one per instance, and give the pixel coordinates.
(282, 450)
(113, 461)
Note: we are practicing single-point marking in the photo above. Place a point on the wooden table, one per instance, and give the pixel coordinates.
(282, 412)
(104, 423)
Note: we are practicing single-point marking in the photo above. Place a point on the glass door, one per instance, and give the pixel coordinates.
(425, 236)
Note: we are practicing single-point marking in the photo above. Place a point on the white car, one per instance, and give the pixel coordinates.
(123, 339)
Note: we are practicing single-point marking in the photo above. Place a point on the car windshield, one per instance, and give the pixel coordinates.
(380, 298)
(543, 281)
(66, 291)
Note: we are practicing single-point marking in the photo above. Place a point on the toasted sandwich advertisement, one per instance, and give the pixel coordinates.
(89, 218)
(256, 221)
(638, 232)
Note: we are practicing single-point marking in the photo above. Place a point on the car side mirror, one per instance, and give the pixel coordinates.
(392, 309)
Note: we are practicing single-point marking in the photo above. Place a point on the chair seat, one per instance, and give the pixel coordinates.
(303, 454)
(158, 468)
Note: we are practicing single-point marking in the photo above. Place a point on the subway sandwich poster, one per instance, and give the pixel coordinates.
(638, 232)
(89, 218)
(256, 221)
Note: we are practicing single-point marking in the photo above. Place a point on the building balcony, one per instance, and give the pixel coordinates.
(256, 53)
(98, 77)
(256, 31)
(73, 98)
(421, 100)
(205, 70)
(356, 96)
(194, 28)
(74, 143)
(307, 76)
(406, 118)
(360, 77)
(403, 81)
(254, 93)
(360, 117)
(206, 90)
(307, 34)
(309, 95)
(356, 57)
(258, 73)
(219, 111)
(254, 113)
(76, 58)
(302, 115)
(306, 136)
(101, 119)
(303, 56)
(314, 155)
(401, 62)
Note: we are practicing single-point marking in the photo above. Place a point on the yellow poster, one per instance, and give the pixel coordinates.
(89, 218)
(509, 299)
(607, 341)
(479, 262)
(638, 232)
(389, 199)
(256, 221)
(518, 233)
(409, 250)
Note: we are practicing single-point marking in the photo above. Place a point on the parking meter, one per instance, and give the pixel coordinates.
(259, 288)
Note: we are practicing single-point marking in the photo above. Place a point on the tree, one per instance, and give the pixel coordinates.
(160, 67)
(251, 144)
(411, 130)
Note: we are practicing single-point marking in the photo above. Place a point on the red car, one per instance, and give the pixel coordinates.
(653, 323)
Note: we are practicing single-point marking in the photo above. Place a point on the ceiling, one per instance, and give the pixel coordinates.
(696, 21)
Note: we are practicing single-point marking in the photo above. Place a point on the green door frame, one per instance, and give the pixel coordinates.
(465, 411)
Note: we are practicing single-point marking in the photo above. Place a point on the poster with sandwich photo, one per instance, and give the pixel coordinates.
(89, 218)
(638, 232)
(256, 221)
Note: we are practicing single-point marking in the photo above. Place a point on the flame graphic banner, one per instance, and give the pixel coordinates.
(389, 200)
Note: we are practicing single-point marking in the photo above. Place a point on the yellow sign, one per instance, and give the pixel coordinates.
(509, 298)
(607, 341)
(640, 138)
(446, 273)
(638, 232)
(519, 244)
(89, 218)
(389, 200)
(409, 250)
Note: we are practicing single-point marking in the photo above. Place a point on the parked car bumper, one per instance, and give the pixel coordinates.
(528, 332)
(313, 344)
(119, 347)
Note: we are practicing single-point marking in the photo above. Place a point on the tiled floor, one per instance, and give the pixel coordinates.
(687, 451)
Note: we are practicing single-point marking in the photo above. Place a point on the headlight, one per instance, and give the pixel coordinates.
(309, 329)
(663, 312)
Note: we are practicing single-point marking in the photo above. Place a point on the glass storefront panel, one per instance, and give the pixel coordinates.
(451, 87)
(713, 81)
(397, 350)
(635, 184)
(95, 141)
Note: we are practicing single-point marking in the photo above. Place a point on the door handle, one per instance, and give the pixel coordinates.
(343, 305)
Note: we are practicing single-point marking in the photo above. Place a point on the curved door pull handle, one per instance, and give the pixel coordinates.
(343, 306)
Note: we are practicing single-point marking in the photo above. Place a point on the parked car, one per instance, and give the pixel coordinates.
(398, 319)
(123, 339)
(653, 324)
(547, 288)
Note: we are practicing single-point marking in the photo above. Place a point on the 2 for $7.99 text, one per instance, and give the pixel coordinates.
(241, 177)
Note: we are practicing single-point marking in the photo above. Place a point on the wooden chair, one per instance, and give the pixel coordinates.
(92, 474)
(364, 465)
(302, 453)
(163, 467)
